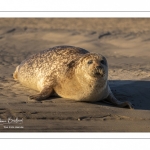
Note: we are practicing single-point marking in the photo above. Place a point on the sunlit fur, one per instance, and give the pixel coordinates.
(66, 70)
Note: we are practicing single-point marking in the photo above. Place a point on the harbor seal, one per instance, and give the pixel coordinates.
(70, 72)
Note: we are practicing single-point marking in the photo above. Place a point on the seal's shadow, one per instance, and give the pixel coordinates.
(137, 92)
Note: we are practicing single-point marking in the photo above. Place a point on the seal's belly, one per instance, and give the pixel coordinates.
(87, 95)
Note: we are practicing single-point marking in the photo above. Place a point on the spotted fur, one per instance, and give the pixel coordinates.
(70, 72)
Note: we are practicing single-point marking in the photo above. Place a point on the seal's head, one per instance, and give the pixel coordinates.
(94, 65)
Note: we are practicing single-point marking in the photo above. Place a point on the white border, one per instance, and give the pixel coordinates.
(77, 144)
(74, 5)
(74, 14)
(55, 135)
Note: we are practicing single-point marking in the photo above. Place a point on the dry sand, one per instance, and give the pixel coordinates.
(124, 42)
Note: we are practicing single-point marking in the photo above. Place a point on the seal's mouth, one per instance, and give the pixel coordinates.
(98, 72)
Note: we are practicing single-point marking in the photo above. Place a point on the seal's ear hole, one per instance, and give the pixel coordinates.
(102, 62)
(90, 62)
(71, 64)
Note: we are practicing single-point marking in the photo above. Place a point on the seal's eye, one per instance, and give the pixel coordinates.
(102, 62)
(90, 61)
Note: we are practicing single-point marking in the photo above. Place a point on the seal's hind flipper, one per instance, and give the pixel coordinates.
(15, 74)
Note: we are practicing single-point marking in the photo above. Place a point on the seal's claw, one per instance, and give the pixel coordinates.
(129, 105)
(35, 97)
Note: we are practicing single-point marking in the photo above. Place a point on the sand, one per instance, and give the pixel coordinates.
(124, 42)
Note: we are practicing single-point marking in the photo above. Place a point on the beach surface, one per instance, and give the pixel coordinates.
(124, 42)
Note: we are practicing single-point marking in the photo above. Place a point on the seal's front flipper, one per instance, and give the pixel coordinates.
(111, 98)
(45, 93)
